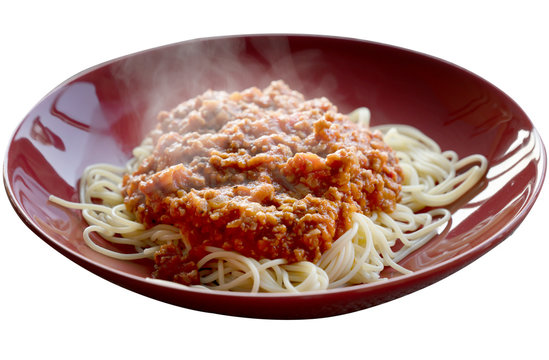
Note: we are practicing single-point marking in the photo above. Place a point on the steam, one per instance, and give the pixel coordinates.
(160, 79)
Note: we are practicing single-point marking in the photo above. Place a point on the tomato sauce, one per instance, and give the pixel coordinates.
(265, 173)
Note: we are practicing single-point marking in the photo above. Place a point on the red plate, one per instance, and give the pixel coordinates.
(102, 113)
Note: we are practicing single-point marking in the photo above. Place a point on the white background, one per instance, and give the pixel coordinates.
(52, 308)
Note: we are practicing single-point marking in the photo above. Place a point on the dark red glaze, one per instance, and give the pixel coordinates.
(102, 113)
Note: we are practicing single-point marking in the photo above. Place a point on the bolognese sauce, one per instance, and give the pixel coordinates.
(265, 173)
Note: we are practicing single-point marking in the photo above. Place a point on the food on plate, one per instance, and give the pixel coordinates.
(266, 191)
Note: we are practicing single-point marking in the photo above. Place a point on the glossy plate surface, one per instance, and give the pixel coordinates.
(102, 113)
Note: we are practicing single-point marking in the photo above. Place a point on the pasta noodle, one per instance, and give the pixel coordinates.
(432, 179)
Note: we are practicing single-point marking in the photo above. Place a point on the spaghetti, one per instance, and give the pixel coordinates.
(431, 179)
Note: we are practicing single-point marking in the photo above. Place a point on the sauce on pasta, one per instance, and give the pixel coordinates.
(266, 174)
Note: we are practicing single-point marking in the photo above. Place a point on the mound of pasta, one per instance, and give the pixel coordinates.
(266, 191)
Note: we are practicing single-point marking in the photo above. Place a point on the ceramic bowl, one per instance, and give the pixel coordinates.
(100, 114)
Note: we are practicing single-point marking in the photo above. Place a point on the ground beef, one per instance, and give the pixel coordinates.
(265, 173)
